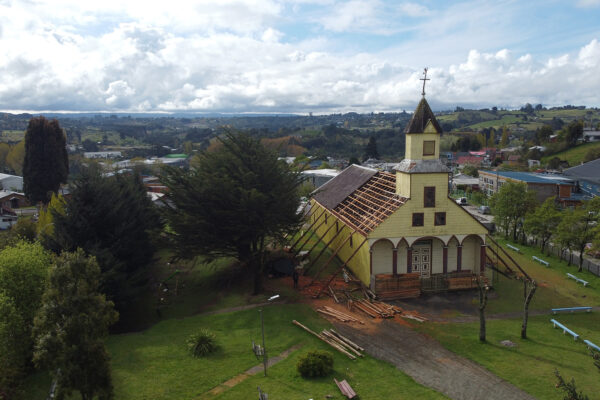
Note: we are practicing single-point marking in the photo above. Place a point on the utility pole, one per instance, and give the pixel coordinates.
(262, 325)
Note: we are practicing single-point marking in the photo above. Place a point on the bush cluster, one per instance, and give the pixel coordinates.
(315, 363)
(202, 343)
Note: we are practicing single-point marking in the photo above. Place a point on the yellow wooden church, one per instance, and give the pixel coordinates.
(391, 229)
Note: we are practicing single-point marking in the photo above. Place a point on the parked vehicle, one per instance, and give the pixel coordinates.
(484, 210)
(462, 201)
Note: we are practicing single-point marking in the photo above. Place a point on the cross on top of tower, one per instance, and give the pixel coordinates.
(424, 79)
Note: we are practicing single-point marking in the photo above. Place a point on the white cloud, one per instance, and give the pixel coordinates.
(588, 3)
(227, 56)
(413, 10)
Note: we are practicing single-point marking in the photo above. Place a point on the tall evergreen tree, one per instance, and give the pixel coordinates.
(112, 219)
(46, 163)
(70, 328)
(371, 149)
(232, 202)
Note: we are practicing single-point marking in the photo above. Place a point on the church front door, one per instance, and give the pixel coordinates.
(421, 259)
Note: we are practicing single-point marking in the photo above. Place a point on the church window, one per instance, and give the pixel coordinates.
(429, 196)
(350, 241)
(440, 218)
(429, 147)
(325, 219)
(337, 228)
(417, 219)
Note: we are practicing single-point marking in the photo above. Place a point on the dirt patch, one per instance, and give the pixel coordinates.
(430, 364)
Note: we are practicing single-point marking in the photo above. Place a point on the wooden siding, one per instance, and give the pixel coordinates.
(414, 145)
(458, 221)
(360, 263)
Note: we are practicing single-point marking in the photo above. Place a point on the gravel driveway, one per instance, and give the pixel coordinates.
(430, 364)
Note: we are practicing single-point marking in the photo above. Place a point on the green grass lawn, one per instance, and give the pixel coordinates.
(574, 155)
(202, 286)
(531, 364)
(554, 288)
(154, 364)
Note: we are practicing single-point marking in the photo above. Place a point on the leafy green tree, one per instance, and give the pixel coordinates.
(13, 353)
(71, 326)
(471, 170)
(510, 205)
(353, 160)
(578, 227)
(371, 149)
(46, 164)
(232, 203)
(16, 157)
(4, 150)
(504, 137)
(573, 132)
(554, 163)
(111, 218)
(23, 273)
(543, 134)
(542, 222)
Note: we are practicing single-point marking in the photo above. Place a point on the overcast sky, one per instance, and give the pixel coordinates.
(299, 56)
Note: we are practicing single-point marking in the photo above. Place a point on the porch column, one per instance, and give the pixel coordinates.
(458, 258)
(482, 255)
(395, 261)
(409, 260)
(371, 262)
(445, 259)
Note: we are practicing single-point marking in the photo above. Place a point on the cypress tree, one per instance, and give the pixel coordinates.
(46, 163)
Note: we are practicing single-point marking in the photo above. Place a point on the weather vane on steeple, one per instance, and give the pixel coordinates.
(424, 79)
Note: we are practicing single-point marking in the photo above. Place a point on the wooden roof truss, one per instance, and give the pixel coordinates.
(372, 203)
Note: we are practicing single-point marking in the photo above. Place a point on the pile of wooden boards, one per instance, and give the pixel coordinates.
(390, 287)
(379, 309)
(337, 341)
(462, 280)
(338, 315)
(375, 309)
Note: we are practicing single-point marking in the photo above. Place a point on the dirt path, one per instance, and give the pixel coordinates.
(430, 364)
(247, 374)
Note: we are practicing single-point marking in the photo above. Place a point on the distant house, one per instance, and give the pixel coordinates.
(102, 154)
(11, 182)
(591, 136)
(587, 176)
(462, 181)
(472, 160)
(318, 177)
(10, 200)
(7, 219)
(563, 188)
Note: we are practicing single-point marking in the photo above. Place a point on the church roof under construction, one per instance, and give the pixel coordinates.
(421, 117)
(361, 197)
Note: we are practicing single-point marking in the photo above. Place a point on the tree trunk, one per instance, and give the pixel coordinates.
(581, 250)
(483, 297)
(528, 297)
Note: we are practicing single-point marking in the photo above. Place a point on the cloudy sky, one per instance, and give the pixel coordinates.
(281, 56)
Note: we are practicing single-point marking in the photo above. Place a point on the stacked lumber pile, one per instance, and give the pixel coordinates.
(375, 309)
(462, 280)
(336, 340)
(391, 287)
(340, 316)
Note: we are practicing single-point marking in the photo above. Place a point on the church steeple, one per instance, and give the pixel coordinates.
(421, 117)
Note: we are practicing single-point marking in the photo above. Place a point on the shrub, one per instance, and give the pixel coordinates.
(202, 343)
(315, 363)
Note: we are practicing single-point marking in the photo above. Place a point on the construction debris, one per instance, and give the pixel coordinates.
(338, 315)
(335, 340)
(345, 388)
